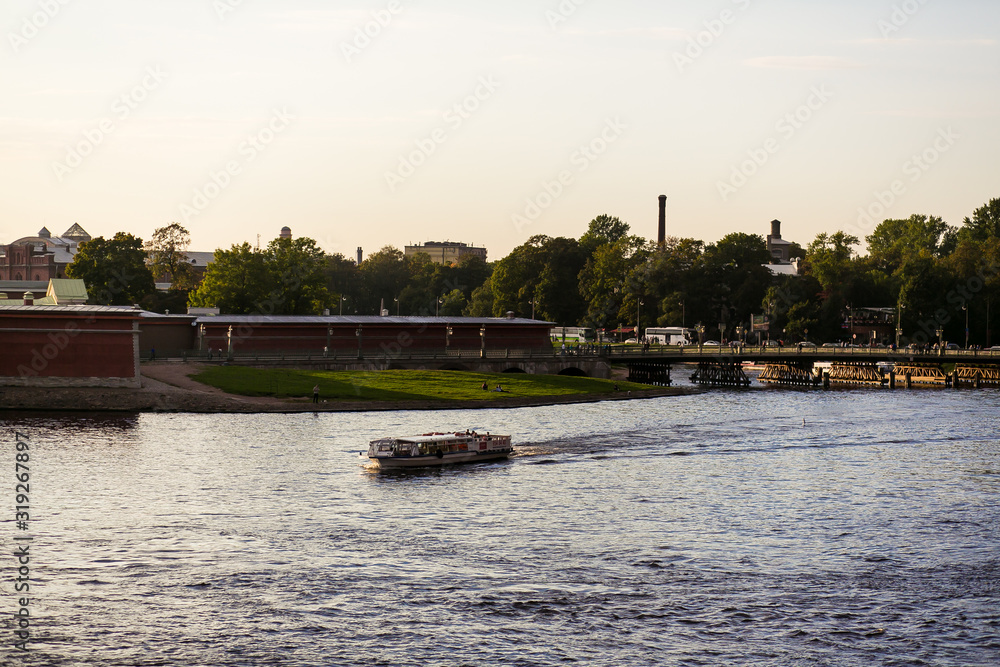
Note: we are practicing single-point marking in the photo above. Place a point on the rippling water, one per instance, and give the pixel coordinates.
(762, 527)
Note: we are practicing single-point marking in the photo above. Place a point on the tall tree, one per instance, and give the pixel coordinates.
(985, 221)
(113, 270)
(299, 268)
(167, 252)
(893, 241)
(238, 282)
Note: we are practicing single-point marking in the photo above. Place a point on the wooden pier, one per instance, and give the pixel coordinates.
(787, 374)
(721, 374)
(656, 373)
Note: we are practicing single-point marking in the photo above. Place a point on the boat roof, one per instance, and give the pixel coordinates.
(433, 437)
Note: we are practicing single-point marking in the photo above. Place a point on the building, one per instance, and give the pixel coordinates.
(445, 252)
(41, 257)
(58, 292)
(69, 346)
(782, 263)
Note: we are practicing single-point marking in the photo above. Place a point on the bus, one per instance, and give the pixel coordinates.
(669, 335)
(572, 334)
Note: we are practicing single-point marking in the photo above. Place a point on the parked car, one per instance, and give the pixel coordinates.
(711, 342)
(808, 343)
(953, 346)
(831, 344)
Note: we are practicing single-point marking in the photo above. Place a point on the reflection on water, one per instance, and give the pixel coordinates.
(751, 527)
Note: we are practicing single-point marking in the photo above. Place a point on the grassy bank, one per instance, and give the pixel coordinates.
(401, 385)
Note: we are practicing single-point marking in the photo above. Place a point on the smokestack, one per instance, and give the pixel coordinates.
(776, 229)
(359, 255)
(661, 234)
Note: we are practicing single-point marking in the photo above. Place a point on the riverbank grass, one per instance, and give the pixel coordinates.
(401, 385)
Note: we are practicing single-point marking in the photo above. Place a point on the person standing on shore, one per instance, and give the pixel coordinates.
(316, 393)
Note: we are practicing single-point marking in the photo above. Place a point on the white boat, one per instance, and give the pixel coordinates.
(434, 449)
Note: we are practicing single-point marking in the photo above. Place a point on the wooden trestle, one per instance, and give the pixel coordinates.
(785, 373)
(856, 373)
(910, 373)
(656, 373)
(721, 373)
(977, 376)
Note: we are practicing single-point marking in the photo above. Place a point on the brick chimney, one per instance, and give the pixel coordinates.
(661, 233)
(29, 299)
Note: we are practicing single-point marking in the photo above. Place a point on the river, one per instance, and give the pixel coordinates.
(756, 527)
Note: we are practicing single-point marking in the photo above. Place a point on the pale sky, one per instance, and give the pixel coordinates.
(457, 120)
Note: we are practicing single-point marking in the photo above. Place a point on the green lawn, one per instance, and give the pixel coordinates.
(400, 385)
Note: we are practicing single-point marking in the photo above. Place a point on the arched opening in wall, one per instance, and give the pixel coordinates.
(514, 369)
(573, 372)
(37, 277)
(454, 367)
(17, 277)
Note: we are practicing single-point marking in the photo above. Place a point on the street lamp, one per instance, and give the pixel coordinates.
(342, 300)
(739, 333)
(437, 306)
(326, 350)
(700, 328)
(396, 299)
(532, 302)
(965, 307)
(482, 341)
(940, 333)
(359, 334)
(229, 343)
(447, 338)
(639, 304)
(899, 323)
(681, 304)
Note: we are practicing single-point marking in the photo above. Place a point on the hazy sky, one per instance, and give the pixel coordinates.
(373, 123)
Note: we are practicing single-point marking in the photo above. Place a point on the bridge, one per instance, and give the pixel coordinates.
(717, 365)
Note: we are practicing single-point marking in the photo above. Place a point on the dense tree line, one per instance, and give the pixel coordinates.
(933, 274)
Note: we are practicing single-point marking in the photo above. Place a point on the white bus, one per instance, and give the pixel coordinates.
(669, 335)
(572, 334)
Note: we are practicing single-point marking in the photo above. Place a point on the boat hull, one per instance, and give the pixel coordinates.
(434, 460)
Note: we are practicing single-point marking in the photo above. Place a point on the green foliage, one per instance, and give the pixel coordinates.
(167, 253)
(113, 270)
(287, 278)
(985, 222)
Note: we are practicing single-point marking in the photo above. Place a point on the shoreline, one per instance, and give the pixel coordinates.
(166, 387)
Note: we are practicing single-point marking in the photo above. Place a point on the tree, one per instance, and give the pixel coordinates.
(114, 270)
(167, 253)
(298, 266)
(828, 258)
(238, 281)
(893, 241)
(384, 275)
(602, 230)
(985, 221)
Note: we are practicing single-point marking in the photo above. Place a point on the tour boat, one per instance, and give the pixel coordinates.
(434, 449)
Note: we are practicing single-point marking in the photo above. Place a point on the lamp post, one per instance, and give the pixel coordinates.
(532, 302)
(965, 307)
(342, 300)
(739, 334)
(229, 343)
(940, 334)
(326, 350)
(681, 304)
(700, 328)
(437, 306)
(396, 299)
(359, 334)
(899, 323)
(482, 341)
(639, 304)
(447, 338)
